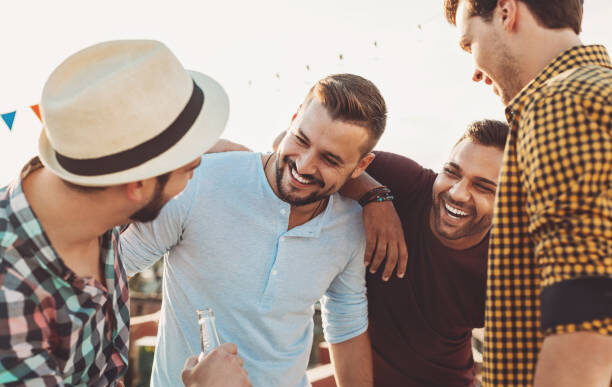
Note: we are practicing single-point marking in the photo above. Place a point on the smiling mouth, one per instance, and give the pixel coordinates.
(455, 212)
(301, 179)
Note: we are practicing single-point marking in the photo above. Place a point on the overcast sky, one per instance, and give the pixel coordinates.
(267, 54)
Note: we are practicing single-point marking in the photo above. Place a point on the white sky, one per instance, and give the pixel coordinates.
(417, 64)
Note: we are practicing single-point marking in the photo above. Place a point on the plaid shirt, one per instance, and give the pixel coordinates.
(56, 328)
(550, 254)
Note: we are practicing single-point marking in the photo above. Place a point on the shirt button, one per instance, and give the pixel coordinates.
(283, 211)
(273, 272)
(282, 239)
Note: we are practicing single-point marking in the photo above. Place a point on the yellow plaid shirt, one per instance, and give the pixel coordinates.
(550, 253)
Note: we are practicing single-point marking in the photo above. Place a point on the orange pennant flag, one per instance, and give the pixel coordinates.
(36, 110)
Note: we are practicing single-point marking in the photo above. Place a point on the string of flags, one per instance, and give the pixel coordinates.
(9, 118)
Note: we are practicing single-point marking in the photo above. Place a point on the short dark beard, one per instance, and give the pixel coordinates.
(152, 209)
(474, 227)
(286, 197)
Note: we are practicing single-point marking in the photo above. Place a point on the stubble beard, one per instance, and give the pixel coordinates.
(293, 200)
(474, 227)
(151, 210)
(509, 74)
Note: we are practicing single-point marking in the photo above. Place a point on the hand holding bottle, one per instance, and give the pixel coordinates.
(220, 368)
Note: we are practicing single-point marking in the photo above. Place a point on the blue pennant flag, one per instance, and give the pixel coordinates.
(9, 118)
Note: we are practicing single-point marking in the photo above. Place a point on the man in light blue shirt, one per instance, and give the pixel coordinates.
(260, 238)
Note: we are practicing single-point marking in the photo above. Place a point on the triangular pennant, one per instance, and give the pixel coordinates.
(9, 118)
(36, 110)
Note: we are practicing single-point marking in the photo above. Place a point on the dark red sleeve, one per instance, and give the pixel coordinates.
(405, 177)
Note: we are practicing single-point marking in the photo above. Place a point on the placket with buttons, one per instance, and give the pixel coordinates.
(271, 287)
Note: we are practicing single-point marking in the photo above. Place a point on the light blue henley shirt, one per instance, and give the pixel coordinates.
(228, 248)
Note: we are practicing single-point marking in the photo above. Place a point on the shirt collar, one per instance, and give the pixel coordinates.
(574, 57)
(312, 228)
(28, 228)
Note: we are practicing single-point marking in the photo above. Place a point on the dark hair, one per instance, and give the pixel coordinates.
(161, 180)
(352, 99)
(549, 13)
(487, 133)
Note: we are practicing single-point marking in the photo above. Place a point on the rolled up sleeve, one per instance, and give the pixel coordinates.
(344, 307)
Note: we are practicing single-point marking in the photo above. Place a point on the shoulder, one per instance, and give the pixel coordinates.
(586, 83)
(9, 235)
(228, 158)
(346, 217)
(228, 164)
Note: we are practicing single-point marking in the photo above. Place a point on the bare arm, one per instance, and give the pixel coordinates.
(224, 145)
(352, 360)
(575, 359)
(384, 232)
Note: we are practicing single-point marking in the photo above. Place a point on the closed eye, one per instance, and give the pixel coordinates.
(485, 189)
(451, 172)
(301, 140)
(331, 161)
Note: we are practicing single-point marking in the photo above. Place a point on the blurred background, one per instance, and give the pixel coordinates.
(267, 54)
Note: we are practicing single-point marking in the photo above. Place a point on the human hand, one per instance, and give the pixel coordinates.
(220, 368)
(224, 145)
(384, 238)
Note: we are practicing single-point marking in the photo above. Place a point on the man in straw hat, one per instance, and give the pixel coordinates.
(124, 127)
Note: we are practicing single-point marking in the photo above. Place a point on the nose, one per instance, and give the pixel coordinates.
(305, 163)
(480, 75)
(459, 192)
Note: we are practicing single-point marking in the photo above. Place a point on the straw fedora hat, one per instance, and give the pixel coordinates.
(123, 111)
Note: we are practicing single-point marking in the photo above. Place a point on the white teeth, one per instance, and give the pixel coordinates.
(298, 177)
(455, 211)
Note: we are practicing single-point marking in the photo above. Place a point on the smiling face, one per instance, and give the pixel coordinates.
(464, 195)
(318, 155)
(494, 61)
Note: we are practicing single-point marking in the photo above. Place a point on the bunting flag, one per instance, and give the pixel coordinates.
(36, 110)
(9, 118)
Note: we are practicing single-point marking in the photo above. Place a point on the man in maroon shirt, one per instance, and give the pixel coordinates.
(420, 325)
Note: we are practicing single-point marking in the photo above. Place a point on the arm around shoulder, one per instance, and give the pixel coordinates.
(142, 244)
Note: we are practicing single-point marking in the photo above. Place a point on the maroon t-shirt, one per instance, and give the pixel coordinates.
(420, 326)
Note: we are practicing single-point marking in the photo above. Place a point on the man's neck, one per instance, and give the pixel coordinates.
(73, 221)
(541, 47)
(298, 214)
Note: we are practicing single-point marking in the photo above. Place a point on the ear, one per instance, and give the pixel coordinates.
(362, 165)
(138, 191)
(508, 11)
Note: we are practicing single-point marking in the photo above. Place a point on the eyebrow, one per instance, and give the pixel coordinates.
(337, 158)
(478, 178)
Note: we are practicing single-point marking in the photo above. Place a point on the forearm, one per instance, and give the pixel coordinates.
(356, 188)
(352, 360)
(575, 359)
(224, 145)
